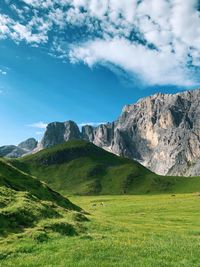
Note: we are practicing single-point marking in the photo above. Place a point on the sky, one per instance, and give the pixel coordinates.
(83, 60)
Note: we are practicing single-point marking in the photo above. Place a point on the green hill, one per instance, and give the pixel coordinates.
(79, 167)
(27, 204)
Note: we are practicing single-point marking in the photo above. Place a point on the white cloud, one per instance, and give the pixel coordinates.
(172, 27)
(3, 72)
(151, 65)
(157, 39)
(21, 32)
(39, 3)
(39, 125)
(10, 28)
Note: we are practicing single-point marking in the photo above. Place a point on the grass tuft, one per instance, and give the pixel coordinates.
(26, 203)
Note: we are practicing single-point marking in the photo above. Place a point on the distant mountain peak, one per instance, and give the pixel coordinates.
(29, 144)
(58, 132)
(161, 131)
(23, 148)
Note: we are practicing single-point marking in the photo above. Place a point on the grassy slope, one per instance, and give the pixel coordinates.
(27, 203)
(142, 231)
(78, 167)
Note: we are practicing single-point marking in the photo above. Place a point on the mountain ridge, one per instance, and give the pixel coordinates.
(78, 167)
(23, 148)
(161, 131)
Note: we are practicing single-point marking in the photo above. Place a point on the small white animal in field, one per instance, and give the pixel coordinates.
(102, 204)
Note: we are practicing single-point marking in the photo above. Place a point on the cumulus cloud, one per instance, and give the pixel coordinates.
(38, 125)
(151, 65)
(157, 40)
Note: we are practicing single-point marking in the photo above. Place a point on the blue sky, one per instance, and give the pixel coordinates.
(84, 60)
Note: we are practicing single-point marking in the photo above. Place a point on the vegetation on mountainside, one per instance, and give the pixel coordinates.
(79, 167)
(27, 203)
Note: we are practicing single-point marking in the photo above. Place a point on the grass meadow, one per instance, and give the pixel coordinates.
(157, 231)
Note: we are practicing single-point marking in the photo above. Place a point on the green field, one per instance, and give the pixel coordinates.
(117, 212)
(161, 230)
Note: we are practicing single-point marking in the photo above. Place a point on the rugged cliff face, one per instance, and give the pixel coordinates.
(29, 144)
(162, 132)
(23, 148)
(58, 132)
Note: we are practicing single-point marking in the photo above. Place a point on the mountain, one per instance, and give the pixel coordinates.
(162, 132)
(57, 133)
(26, 203)
(23, 148)
(80, 167)
(28, 144)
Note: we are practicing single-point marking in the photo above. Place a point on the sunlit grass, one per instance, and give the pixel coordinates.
(162, 230)
(81, 168)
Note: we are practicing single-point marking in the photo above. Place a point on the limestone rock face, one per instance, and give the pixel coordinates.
(162, 132)
(58, 132)
(29, 144)
(88, 133)
(5, 151)
(103, 135)
(25, 147)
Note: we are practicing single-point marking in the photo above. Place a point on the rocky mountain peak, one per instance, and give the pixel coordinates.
(28, 144)
(25, 147)
(88, 133)
(161, 131)
(59, 132)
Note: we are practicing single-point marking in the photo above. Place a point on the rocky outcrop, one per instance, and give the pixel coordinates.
(161, 131)
(57, 133)
(22, 149)
(29, 144)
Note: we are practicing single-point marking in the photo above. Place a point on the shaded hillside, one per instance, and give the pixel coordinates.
(25, 202)
(79, 167)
